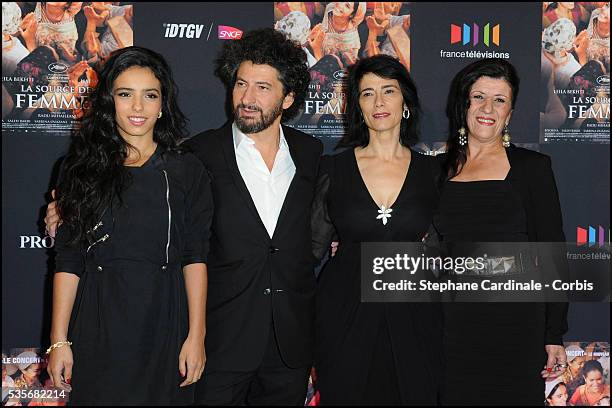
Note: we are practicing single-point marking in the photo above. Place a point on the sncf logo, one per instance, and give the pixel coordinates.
(465, 34)
(229, 33)
(592, 236)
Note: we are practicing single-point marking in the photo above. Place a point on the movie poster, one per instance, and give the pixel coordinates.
(335, 35)
(50, 54)
(575, 80)
(25, 380)
(586, 381)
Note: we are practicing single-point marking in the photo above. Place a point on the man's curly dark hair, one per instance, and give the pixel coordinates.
(268, 46)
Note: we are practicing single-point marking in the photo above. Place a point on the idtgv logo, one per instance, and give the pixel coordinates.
(34, 241)
(183, 30)
(229, 33)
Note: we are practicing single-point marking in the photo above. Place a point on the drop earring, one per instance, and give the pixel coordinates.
(506, 137)
(462, 136)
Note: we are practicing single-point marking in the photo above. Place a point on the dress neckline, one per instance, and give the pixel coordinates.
(506, 178)
(365, 186)
(149, 161)
(477, 181)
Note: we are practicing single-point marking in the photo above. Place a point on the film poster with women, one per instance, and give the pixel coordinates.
(335, 35)
(586, 381)
(25, 380)
(575, 80)
(50, 54)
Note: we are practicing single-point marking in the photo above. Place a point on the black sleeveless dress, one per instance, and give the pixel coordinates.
(494, 352)
(372, 353)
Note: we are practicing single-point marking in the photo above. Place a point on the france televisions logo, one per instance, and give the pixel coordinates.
(592, 236)
(466, 34)
(229, 33)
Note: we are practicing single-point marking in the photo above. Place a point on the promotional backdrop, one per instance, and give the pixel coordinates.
(48, 69)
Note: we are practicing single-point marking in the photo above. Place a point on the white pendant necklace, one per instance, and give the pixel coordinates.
(384, 213)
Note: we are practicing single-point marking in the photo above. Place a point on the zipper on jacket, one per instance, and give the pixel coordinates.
(169, 215)
(104, 238)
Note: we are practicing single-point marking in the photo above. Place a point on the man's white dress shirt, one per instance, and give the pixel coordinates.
(267, 188)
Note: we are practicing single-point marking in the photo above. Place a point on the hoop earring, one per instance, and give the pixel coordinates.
(506, 137)
(462, 136)
(406, 113)
(159, 115)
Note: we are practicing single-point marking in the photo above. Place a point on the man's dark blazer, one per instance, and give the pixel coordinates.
(254, 280)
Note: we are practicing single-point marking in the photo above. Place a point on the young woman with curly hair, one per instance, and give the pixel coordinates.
(130, 287)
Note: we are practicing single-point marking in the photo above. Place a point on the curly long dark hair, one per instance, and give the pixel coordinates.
(458, 104)
(387, 67)
(93, 172)
(270, 47)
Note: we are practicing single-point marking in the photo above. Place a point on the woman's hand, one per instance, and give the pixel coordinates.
(556, 63)
(315, 41)
(59, 367)
(375, 28)
(27, 31)
(74, 8)
(52, 219)
(76, 71)
(556, 363)
(95, 17)
(334, 248)
(192, 360)
(581, 44)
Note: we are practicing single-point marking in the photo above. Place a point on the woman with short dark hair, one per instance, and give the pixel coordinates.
(377, 190)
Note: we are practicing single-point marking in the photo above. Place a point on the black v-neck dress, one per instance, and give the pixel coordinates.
(372, 353)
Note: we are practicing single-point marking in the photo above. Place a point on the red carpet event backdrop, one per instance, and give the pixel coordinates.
(562, 53)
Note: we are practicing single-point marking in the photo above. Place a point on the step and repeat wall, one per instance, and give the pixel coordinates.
(561, 51)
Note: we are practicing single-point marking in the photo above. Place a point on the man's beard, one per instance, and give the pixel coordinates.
(254, 125)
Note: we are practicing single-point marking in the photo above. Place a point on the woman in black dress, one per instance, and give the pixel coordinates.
(129, 291)
(378, 190)
(496, 192)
